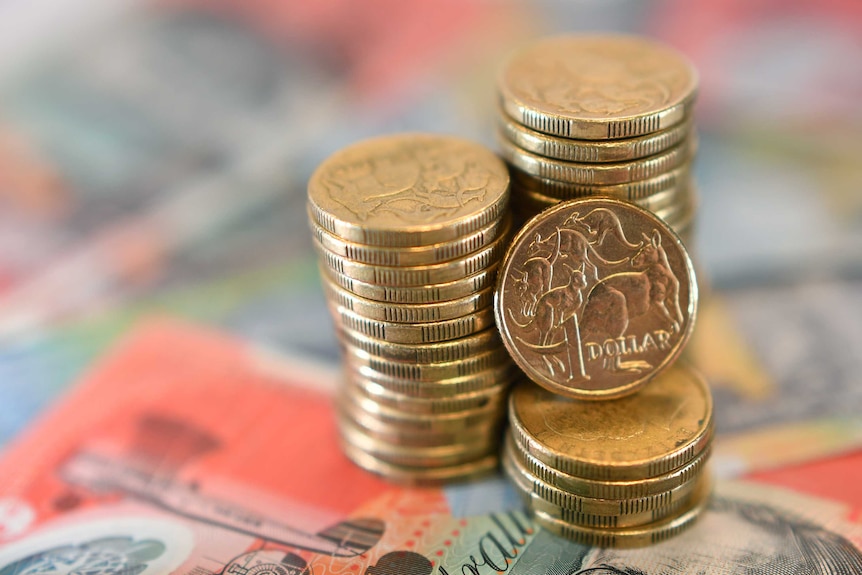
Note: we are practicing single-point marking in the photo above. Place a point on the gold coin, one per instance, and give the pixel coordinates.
(414, 333)
(450, 351)
(408, 190)
(436, 456)
(408, 313)
(592, 151)
(597, 174)
(416, 275)
(418, 294)
(430, 372)
(417, 256)
(595, 297)
(529, 483)
(424, 405)
(421, 476)
(632, 191)
(597, 87)
(611, 489)
(376, 415)
(637, 536)
(661, 428)
(499, 375)
(669, 198)
(398, 435)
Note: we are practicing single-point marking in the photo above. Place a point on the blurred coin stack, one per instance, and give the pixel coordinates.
(410, 230)
(615, 473)
(600, 115)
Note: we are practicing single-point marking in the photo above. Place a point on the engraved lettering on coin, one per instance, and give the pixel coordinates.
(596, 296)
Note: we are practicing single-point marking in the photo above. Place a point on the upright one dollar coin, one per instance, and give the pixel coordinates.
(408, 190)
(596, 87)
(595, 297)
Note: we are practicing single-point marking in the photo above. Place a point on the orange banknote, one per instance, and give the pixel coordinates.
(185, 451)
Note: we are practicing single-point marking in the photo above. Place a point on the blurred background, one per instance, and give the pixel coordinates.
(154, 159)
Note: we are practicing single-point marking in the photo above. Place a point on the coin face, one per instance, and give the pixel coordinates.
(408, 190)
(597, 87)
(595, 297)
(660, 429)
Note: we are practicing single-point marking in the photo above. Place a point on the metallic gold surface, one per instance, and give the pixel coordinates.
(413, 333)
(595, 297)
(632, 191)
(591, 151)
(415, 256)
(408, 190)
(460, 349)
(638, 536)
(596, 87)
(664, 426)
(430, 372)
(421, 476)
(408, 313)
(502, 374)
(416, 275)
(431, 293)
(529, 483)
(597, 174)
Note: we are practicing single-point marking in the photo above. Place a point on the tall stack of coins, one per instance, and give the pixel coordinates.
(599, 115)
(596, 299)
(410, 230)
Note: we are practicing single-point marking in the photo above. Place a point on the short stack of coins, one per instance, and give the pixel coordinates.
(596, 299)
(600, 115)
(410, 230)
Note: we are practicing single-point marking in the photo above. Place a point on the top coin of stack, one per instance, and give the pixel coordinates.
(599, 115)
(410, 230)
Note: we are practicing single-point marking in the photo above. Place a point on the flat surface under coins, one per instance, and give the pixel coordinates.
(595, 297)
(662, 427)
(596, 87)
(408, 190)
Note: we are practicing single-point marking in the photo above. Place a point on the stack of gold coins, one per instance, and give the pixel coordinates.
(615, 473)
(600, 115)
(596, 299)
(410, 230)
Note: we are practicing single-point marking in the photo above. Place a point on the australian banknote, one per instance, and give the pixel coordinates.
(184, 451)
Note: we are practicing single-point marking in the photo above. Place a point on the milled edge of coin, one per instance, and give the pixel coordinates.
(454, 421)
(408, 313)
(592, 151)
(605, 471)
(421, 476)
(428, 405)
(417, 295)
(597, 174)
(632, 191)
(415, 275)
(591, 505)
(413, 456)
(639, 536)
(480, 434)
(430, 372)
(413, 332)
(611, 489)
(660, 200)
(412, 256)
(440, 388)
(460, 349)
(571, 126)
(621, 390)
(416, 234)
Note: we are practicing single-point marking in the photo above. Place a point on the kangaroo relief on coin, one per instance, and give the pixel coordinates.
(596, 296)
